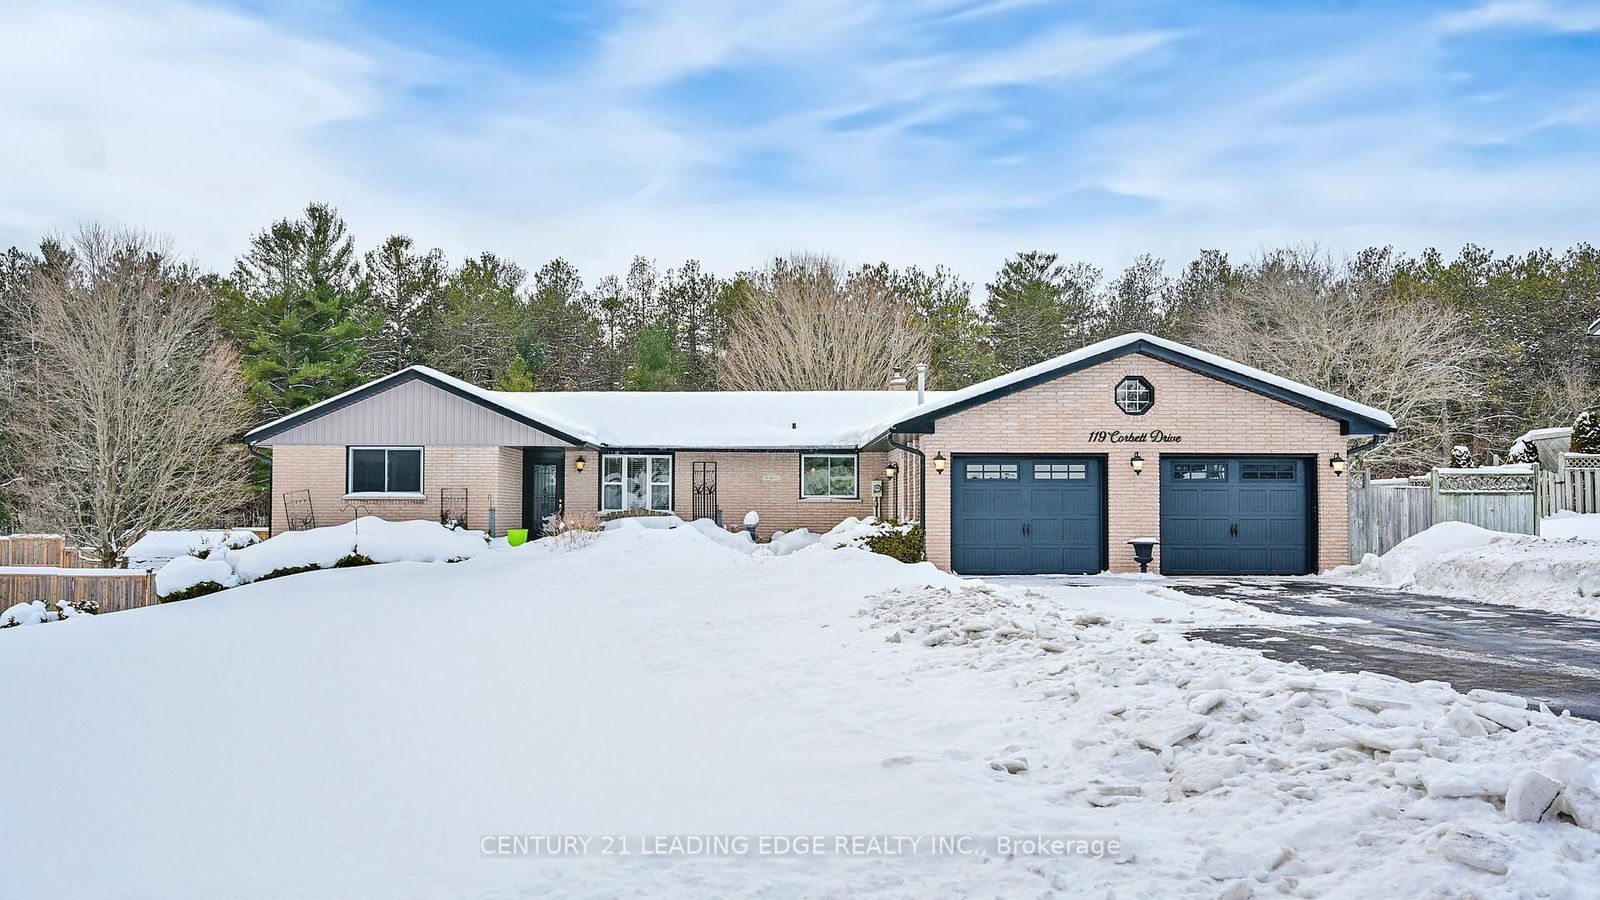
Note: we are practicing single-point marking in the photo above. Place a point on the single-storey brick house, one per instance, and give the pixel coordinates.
(1052, 468)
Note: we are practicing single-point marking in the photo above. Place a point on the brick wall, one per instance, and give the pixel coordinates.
(1212, 417)
(490, 475)
(765, 481)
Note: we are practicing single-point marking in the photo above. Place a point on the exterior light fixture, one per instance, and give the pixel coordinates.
(1137, 462)
(579, 463)
(1337, 464)
(939, 463)
(890, 470)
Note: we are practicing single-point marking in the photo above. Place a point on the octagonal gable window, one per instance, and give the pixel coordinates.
(1135, 396)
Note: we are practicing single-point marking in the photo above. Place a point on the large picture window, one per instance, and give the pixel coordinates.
(384, 470)
(828, 475)
(635, 481)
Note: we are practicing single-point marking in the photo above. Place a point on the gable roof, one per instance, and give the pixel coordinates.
(1354, 418)
(804, 420)
(658, 420)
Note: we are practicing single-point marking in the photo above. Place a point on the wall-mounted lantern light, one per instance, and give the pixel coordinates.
(1137, 462)
(939, 463)
(890, 470)
(1337, 464)
(579, 463)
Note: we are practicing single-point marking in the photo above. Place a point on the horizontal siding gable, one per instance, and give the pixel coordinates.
(413, 412)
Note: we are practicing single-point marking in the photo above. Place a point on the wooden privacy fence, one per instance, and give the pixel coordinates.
(1385, 512)
(1574, 485)
(37, 550)
(111, 589)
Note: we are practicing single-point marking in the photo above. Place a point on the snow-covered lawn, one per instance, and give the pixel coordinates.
(1559, 571)
(358, 732)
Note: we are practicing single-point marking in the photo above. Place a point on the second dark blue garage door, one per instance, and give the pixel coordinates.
(1028, 515)
(1235, 516)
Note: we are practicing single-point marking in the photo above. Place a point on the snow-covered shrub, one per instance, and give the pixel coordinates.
(34, 613)
(361, 559)
(193, 576)
(900, 540)
(1586, 433)
(1522, 452)
(1461, 457)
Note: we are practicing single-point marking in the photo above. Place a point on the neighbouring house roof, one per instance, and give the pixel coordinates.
(787, 420)
(1594, 328)
(1355, 418)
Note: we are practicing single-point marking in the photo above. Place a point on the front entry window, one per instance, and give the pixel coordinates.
(635, 481)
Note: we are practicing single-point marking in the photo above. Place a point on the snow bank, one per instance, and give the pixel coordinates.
(377, 539)
(1459, 560)
(1568, 524)
(33, 613)
(157, 548)
(666, 521)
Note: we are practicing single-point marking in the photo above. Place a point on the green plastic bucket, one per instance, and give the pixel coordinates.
(516, 537)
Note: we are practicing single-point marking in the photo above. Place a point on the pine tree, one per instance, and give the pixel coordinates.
(294, 304)
(561, 345)
(1586, 433)
(474, 333)
(657, 364)
(1038, 309)
(955, 329)
(693, 313)
(405, 295)
(1132, 301)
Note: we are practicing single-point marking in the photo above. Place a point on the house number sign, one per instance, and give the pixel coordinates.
(1134, 437)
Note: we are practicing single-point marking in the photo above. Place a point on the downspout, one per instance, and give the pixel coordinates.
(266, 458)
(922, 480)
(1369, 445)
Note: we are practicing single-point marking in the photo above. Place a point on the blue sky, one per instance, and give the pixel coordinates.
(931, 131)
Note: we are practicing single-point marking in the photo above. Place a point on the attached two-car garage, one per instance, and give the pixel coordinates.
(1028, 515)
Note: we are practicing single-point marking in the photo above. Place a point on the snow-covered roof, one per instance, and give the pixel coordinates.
(715, 419)
(731, 420)
(782, 420)
(1546, 434)
(1141, 342)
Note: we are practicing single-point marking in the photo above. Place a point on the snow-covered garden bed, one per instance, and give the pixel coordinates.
(370, 731)
(362, 542)
(1460, 560)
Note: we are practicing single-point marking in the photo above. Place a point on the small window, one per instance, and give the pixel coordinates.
(384, 470)
(1060, 471)
(629, 481)
(827, 475)
(1211, 471)
(1267, 471)
(1135, 396)
(991, 471)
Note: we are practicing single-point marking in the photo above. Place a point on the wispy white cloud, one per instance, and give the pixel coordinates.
(1539, 14)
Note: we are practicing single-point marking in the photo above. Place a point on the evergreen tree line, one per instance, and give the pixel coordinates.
(1470, 350)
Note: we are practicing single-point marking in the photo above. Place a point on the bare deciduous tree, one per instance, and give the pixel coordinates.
(1299, 315)
(133, 402)
(806, 327)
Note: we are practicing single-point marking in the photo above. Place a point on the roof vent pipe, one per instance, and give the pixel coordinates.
(922, 381)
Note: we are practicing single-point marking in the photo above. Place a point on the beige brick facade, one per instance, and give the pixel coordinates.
(491, 475)
(1056, 417)
(1211, 416)
(761, 480)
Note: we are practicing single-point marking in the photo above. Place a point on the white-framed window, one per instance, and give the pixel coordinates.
(828, 475)
(384, 470)
(635, 481)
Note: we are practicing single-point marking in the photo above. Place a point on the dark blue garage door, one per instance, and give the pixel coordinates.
(1235, 516)
(1028, 516)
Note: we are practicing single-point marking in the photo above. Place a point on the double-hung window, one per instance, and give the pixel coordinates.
(635, 481)
(828, 475)
(384, 470)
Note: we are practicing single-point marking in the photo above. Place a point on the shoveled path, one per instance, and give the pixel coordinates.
(1544, 656)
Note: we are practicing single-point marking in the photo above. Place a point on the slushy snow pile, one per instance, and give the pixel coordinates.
(657, 682)
(377, 539)
(157, 548)
(1460, 560)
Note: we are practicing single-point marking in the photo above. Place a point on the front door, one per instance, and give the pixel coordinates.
(541, 487)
